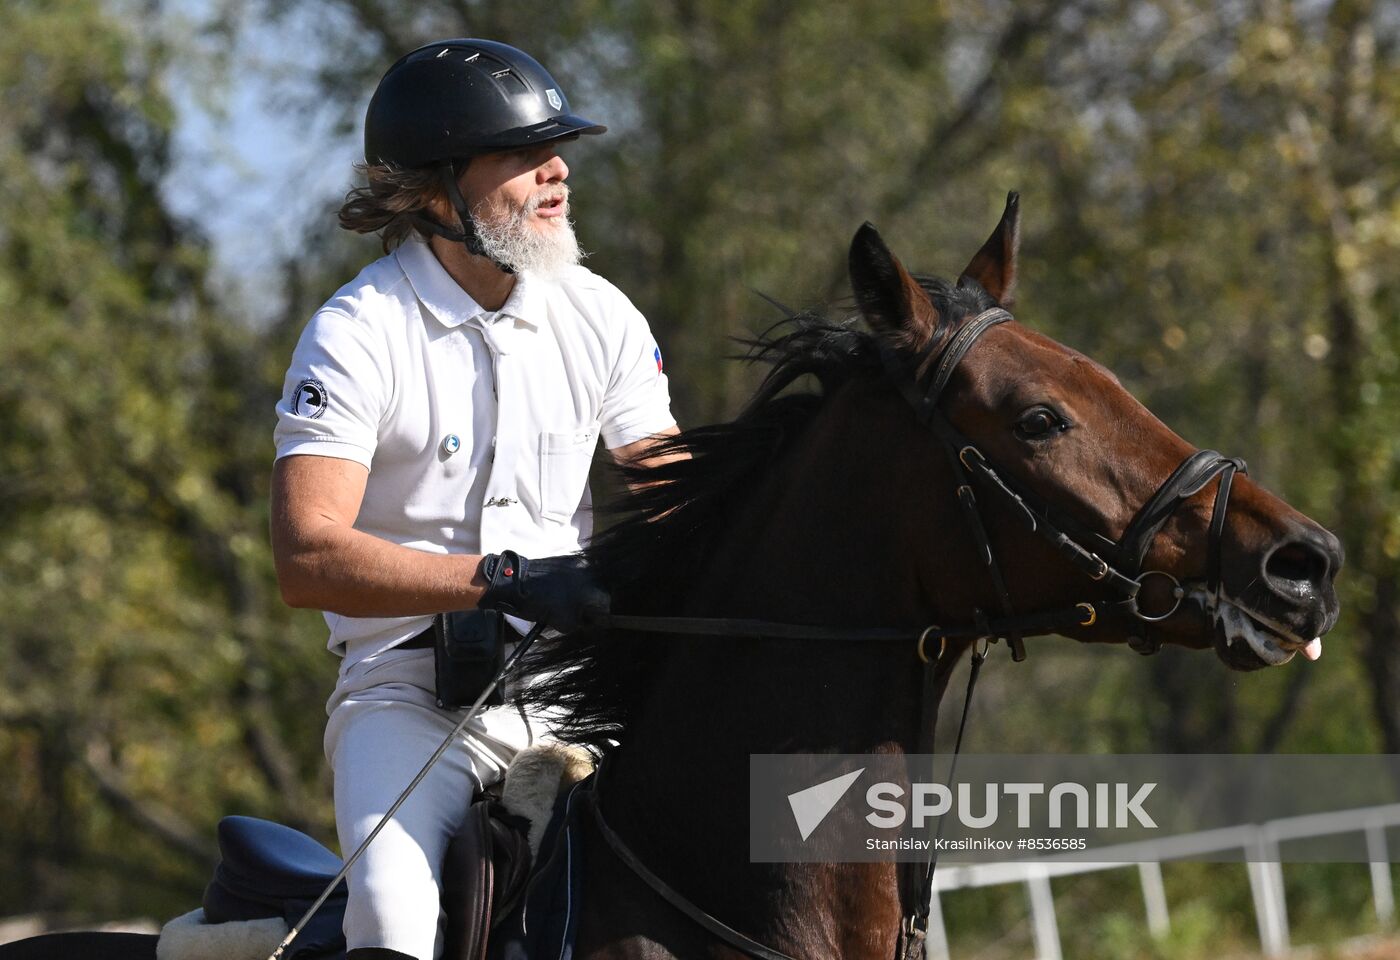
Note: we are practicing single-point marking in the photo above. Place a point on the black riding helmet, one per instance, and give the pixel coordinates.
(451, 100)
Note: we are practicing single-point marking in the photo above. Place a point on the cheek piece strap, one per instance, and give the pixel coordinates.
(466, 235)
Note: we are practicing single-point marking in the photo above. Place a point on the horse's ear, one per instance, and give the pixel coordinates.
(994, 267)
(891, 300)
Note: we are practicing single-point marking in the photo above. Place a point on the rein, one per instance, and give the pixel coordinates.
(1116, 564)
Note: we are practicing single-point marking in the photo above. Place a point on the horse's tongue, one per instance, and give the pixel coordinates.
(1313, 650)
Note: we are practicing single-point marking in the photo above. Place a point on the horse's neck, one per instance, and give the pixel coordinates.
(678, 791)
(832, 552)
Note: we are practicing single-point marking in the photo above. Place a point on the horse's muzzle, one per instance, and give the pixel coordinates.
(1298, 577)
(1288, 605)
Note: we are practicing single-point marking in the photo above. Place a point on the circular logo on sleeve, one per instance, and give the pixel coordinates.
(310, 399)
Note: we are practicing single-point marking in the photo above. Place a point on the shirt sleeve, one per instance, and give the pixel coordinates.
(336, 391)
(638, 401)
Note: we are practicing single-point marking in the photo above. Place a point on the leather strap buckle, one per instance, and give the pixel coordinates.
(962, 455)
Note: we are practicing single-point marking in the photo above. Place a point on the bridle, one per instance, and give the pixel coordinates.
(1117, 564)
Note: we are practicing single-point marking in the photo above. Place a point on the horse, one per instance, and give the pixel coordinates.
(942, 465)
(845, 505)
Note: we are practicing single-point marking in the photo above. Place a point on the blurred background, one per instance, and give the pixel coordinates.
(1211, 207)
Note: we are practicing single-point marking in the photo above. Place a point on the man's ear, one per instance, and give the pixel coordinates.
(891, 300)
(994, 266)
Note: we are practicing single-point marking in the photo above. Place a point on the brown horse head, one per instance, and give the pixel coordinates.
(1075, 445)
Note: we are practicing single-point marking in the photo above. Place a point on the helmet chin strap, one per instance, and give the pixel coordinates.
(467, 235)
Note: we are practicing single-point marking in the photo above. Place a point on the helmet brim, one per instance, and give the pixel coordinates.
(546, 131)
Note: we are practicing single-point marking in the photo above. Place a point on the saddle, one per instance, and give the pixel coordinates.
(483, 876)
(271, 873)
(270, 870)
(267, 870)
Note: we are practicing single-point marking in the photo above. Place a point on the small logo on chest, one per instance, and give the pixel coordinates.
(501, 502)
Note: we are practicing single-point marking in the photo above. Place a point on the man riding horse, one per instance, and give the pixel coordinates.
(438, 421)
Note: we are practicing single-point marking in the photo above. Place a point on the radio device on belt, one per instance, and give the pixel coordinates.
(468, 651)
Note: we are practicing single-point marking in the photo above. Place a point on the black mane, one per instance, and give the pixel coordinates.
(670, 524)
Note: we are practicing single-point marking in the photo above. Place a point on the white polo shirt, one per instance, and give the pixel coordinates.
(478, 428)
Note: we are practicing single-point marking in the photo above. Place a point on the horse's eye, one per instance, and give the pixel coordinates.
(1039, 423)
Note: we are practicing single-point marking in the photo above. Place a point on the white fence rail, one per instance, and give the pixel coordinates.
(1259, 841)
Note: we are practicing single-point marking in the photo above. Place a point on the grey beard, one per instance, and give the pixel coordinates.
(510, 240)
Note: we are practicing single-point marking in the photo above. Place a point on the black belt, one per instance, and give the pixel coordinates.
(423, 641)
(427, 640)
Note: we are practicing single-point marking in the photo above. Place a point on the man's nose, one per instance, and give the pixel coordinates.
(553, 170)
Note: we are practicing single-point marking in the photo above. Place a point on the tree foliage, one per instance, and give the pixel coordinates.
(152, 681)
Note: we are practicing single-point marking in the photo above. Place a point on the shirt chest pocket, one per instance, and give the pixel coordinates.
(564, 462)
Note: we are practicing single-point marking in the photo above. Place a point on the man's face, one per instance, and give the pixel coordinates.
(521, 205)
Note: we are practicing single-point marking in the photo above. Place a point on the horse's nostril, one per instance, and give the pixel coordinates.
(1298, 562)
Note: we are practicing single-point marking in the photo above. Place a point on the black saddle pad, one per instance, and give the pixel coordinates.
(544, 922)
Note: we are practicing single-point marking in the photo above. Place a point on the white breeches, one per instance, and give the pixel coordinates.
(384, 724)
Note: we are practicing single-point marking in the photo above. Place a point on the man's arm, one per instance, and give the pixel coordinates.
(639, 453)
(324, 563)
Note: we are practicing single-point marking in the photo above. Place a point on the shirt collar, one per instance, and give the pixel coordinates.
(452, 305)
(524, 304)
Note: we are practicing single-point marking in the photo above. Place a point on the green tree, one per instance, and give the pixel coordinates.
(153, 681)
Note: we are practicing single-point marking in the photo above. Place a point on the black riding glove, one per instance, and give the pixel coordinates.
(560, 592)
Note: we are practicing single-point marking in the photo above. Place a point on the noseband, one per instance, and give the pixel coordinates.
(1116, 563)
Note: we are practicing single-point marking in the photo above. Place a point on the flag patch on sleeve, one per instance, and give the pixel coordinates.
(657, 355)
